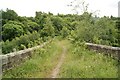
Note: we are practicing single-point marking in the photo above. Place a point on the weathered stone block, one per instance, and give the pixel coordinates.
(4, 59)
(107, 50)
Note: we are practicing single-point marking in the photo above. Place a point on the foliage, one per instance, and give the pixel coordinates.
(22, 42)
(96, 30)
(8, 15)
(31, 26)
(11, 30)
(48, 29)
(118, 31)
(57, 24)
(64, 32)
(77, 28)
(40, 18)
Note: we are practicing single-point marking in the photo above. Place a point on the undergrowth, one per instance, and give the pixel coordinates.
(39, 66)
(82, 63)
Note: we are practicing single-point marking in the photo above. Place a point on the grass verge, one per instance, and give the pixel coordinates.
(82, 63)
(40, 65)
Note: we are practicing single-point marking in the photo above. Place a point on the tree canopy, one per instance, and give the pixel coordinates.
(77, 28)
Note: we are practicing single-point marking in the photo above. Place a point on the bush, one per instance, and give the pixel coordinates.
(22, 42)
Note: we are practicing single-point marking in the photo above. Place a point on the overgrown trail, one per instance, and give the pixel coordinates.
(61, 60)
(45, 63)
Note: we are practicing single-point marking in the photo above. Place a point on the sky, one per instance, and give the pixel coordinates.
(29, 7)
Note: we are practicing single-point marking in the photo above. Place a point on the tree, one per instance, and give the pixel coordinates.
(0, 25)
(48, 29)
(40, 18)
(33, 26)
(64, 32)
(11, 30)
(118, 31)
(29, 24)
(58, 24)
(8, 15)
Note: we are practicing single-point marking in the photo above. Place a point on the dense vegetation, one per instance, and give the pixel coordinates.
(22, 32)
(70, 31)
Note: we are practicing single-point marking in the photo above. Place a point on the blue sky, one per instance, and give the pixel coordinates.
(28, 7)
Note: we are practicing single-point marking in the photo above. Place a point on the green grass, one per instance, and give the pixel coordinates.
(40, 65)
(82, 63)
(79, 63)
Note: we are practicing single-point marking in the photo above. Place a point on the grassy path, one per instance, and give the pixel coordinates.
(62, 59)
(40, 65)
(57, 69)
(45, 62)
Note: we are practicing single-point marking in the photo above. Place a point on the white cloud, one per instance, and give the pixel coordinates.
(28, 7)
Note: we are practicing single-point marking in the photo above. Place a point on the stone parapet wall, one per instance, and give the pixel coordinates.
(13, 59)
(107, 50)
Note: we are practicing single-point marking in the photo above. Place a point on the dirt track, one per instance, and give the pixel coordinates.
(57, 68)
